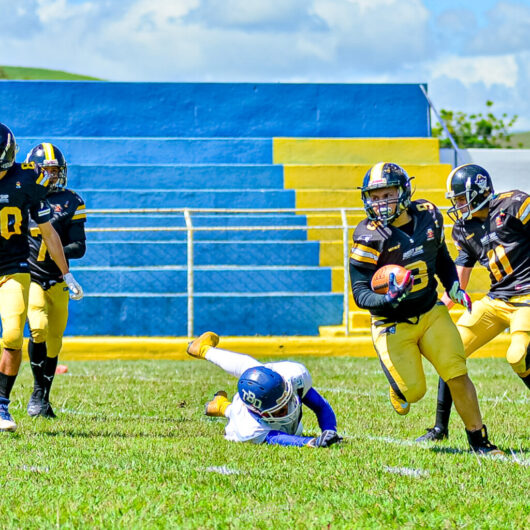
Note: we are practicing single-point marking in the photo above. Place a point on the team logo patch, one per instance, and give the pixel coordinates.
(499, 220)
(430, 234)
(482, 183)
(18, 185)
(57, 208)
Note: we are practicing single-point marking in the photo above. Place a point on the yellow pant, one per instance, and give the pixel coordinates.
(14, 289)
(489, 318)
(48, 315)
(400, 347)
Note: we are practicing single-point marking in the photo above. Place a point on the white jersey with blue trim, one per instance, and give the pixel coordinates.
(243, 426)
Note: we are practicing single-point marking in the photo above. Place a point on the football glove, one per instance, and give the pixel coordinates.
(326, 439)
(76, 291)
(398, 291)
(459, 296)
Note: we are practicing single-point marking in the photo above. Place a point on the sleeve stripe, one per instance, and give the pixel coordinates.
(366, 249)
(362, 259)
(524, 212)
(80, 208)
(79, 216)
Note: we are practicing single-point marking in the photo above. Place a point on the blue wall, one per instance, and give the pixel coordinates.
(93, 108)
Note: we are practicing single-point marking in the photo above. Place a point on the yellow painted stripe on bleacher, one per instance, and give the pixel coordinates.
(355, 150)
(350, 176)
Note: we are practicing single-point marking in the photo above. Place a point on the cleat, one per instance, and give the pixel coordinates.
(202, 344)
(434, 435)
(7, 424)
(480, 444)
(217, 406)
(35, 403)
(47, 411)
(400, 406)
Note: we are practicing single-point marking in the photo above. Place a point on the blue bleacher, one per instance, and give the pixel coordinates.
(198, 145)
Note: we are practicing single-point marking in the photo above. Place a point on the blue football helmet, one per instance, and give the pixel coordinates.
(8, 147)
(266, 393)
(386, 175)
(469, 188)
(45, 156)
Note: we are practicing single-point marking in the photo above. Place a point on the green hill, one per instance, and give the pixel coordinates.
(41, 74)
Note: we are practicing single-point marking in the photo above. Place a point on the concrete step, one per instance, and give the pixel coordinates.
(356, 150)
(175, 176)
(102, 150)
(236, 253)
(350, 176)
(226, 313)
(252, 280)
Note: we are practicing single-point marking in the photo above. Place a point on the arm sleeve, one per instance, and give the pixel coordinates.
(324, 413)
(363, 295)
(282, 438)
(464, 258)
(231, 362)
(76, 247)
(445, 267)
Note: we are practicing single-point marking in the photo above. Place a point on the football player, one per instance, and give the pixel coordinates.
(48, 293)
(409, 321)
(22, 193)
(493, 230)
(268, 405)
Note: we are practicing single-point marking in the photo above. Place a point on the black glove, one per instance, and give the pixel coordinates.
(398, 291)
(326, 439)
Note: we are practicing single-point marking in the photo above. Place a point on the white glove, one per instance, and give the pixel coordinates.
(459, 296)
(76, 291)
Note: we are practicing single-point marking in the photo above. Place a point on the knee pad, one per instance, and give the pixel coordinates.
(518, 354)
(415, 392)
(39, 334)
(13, 338)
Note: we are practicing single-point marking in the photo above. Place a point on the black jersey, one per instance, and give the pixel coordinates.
(501, 243)
(424, 253)
(22, 193)
(67, 208)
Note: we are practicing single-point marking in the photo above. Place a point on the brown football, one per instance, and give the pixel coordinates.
(381, 277)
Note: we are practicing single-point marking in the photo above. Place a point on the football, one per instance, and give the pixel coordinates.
(381, 277)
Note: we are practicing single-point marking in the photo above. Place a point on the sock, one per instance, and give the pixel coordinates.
(6, 384)
(443, 406)
(49, 373)
(37, 360)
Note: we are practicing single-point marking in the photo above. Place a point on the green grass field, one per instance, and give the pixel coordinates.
(131, 448)
(23, 73)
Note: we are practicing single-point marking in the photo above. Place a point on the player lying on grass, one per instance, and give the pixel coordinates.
(267, 407)
(493, 230)
(409, 322)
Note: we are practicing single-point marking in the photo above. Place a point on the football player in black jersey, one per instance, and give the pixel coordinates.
(493, 230)
(48, 293)
(409, 321)
(22, 193)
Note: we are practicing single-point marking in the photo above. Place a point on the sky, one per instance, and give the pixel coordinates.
(467, 52)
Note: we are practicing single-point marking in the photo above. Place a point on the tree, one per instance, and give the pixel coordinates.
(475, 130)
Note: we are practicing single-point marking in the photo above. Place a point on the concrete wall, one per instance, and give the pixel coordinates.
(92, 108)
(509, 168)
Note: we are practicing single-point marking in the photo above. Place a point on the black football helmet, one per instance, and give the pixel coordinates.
(8, 147)
(471, 182)
(47, 155)
(386, 175)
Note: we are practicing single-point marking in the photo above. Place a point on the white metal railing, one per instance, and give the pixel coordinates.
(191, 229)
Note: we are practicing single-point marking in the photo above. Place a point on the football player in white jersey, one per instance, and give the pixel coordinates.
(267, 407)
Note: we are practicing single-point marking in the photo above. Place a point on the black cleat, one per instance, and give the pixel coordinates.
(47, 411)
(35, 403)
(434, 435)
(480, 444)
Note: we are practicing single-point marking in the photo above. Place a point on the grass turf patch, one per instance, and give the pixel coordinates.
(132, 448)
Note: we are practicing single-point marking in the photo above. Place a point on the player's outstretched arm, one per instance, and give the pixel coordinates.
(55, 248)
(326, 439)
(320, 406)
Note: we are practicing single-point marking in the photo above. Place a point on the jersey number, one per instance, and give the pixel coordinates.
(10, 221)
(497, 256)
(421, 277)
